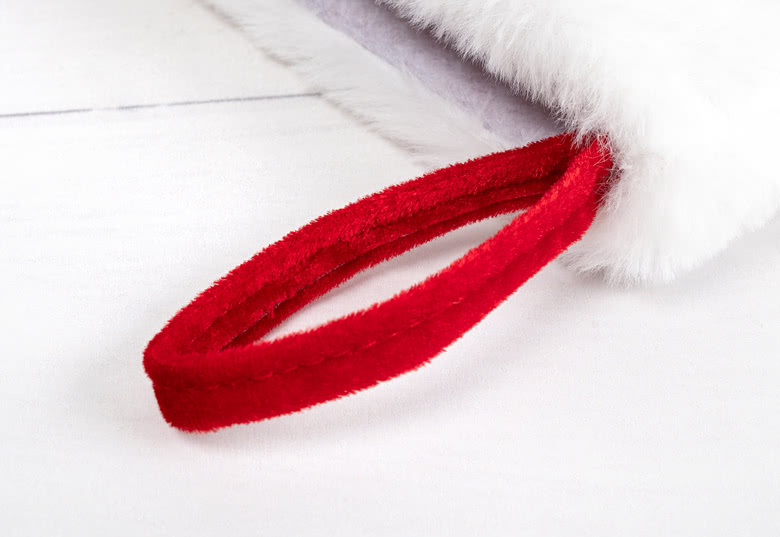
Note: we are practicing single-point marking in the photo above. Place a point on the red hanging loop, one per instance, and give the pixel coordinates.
(208, 368)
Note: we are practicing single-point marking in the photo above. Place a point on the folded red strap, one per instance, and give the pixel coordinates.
(209, 368)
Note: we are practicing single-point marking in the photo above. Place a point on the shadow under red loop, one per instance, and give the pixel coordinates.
(208, 368)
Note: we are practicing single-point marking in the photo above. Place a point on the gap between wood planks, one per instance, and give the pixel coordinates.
(158, 105)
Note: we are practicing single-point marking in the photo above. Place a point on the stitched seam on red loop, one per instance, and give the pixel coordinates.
(279, 372)
(208, 383)
(320, 250)
(292, 295)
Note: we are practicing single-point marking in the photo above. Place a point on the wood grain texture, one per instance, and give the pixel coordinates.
(574, 409)
(83, 54)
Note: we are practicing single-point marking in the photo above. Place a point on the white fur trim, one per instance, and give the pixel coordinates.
(685, 90)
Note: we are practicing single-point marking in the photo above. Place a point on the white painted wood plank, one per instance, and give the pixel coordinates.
(572, 409)
(570, 394)
(75, 54)
(111, 211)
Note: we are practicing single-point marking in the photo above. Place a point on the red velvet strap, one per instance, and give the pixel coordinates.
(209, 367)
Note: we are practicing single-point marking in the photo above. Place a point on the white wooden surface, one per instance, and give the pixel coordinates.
(146, 148)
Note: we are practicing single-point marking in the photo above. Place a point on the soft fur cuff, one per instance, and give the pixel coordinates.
(684, 90)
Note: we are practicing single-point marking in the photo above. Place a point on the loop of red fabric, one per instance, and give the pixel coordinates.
(209, 367)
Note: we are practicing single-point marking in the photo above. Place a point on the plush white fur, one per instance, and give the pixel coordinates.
(685, 90)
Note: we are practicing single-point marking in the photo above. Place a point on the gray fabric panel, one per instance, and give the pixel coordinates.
(379, 30)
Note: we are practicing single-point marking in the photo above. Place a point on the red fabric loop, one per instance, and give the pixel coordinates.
(208, 368)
